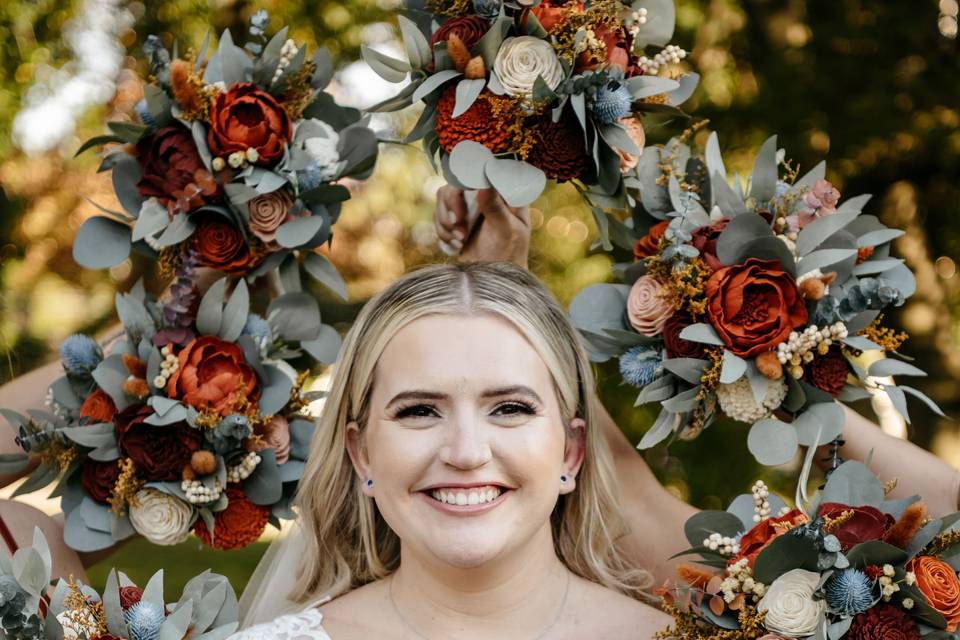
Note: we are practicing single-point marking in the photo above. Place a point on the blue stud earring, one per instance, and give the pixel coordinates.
(369, 482)
(564, 478)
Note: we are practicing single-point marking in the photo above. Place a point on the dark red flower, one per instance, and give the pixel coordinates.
(649, 245)
(757, 539)
(246, 117)
(754, 306)
(173, 172)
(866, 523)
(884, 622)
(560, 151)
(158, 453)
(221, 246)
(468, 28)
(676, 346)
(828, 372)
(130, 596)
(705, 240)
(98, 479)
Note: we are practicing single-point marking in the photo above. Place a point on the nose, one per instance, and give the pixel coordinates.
(467, 446)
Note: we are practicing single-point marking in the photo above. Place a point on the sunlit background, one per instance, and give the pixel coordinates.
(871, 87)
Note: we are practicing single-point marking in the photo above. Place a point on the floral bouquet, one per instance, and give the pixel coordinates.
(235, 162)
(207, 610)
(851, 565)
(516, 92)
(756, 302)
(182, 427)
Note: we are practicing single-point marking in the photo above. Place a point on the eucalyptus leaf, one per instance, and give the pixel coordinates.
(772, 442)
(916, 393)
(101, 243)
(433, 83)
(390, 69)
(815, 233)
(689, 369)
(417, 47)
(323, 271)
(210, 311)
(734, 367)
(468, 162)
(518, 183)
(739, 232)
(878, 237)
(892, 367)
(784, 554)
(853, 484)
(661, 429)
(763, 181)
(325, 347)
(235, 313)
(299, 231)
(702, 524)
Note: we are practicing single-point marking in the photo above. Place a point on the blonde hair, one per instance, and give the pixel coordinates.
(348, 543)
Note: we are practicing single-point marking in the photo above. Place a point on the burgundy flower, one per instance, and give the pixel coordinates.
(173, 172)
(98, 479)
(159, 453)
(705, 240)
(866, 523)
(676, 346)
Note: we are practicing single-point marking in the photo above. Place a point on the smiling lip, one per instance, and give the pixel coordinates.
(466, 509)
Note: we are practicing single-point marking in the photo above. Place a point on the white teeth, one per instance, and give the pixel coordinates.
(464, 497)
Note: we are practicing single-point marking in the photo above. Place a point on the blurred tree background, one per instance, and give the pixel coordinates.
(869, 86)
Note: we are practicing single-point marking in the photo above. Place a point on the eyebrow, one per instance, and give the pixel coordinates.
(496, 392)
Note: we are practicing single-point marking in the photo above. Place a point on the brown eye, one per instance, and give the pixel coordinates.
(417, 411)
(514, 408)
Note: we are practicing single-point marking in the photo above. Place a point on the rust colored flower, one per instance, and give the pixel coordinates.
(98, 478)
(828, 372)
(245, 117)
(478, 123)
(864, 254)
(939, 584)
(676, 346)
(754, 306)
(758, 538)
(221, 246)
(130, 596)
(213, 375)
(159, 453)
(267, 213)
(884, 622)
(98, 407)
(172, 171)
(649, 245)
(468, 28)
(866, 523)
(553, 14)
(560, 151)
(240, 524)
(705, 240)
(616, 50)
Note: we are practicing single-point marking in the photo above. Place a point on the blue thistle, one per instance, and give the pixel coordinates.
(612, 104)
(309, 177)
(80, 355)
(488, 9)
(144, 619)
(641, 365)
(849, 592)
(143, 111)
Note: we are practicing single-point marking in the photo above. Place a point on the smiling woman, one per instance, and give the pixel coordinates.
(456, 485)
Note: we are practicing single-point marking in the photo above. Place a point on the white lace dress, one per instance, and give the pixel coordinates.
(304, 625)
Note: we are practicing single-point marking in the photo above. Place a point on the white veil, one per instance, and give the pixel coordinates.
(266, 595)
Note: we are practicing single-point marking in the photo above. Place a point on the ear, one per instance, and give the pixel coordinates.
(358, 455)
(573, 454)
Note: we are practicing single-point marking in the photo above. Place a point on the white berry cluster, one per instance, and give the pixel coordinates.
(799, 348)
(740, 580)
(761, 506)
(242, 471)
(287, 52)
(237, 159)
(737, 401)
(887, 586)
(723, 545)
(197, 493)
(55, 407)
(670, 54)
(167, 367)
(635, 19)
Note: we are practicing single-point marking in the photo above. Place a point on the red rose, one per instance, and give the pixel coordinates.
(705, 240)
(866, 523)
(468, 28)
(246, 117)
(159, 453)
(758, 538)
(884, 622)
(130, 596)
(649, 245)
(214, 375)
(754, 306)
(221, 246)
(98, 407)
(98, 479)
(173, 172)
(676, 346)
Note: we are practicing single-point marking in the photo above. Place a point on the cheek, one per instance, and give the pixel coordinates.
(397, 456)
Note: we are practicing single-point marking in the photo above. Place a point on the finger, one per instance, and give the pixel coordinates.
(456, 204)
(492, 204)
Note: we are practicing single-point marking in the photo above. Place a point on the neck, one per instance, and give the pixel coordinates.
(505, 596)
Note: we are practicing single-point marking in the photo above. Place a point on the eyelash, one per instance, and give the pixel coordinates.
(520, 407)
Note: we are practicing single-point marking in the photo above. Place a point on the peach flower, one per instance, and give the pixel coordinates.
(647, 307)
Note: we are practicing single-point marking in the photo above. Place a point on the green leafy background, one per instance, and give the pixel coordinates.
(871, 87)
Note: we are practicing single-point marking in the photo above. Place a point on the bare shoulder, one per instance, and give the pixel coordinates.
(359, 614)
(600, 614)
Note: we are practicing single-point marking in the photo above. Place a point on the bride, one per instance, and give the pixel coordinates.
(457, 485)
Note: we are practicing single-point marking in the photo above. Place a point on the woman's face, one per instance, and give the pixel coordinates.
(465, 443)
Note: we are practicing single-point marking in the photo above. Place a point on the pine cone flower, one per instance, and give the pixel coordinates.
(828, 372)
(478, 123)
(240, 524)
(560, 151)
(884, 621)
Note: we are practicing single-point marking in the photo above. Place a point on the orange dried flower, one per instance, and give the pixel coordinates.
(694, 576)
(863, 254)
(478, 123)
(901, 533)
(184, 91)
(239, 525)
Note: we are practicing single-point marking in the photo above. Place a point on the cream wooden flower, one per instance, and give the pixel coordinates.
(790, 606)
(160, 517)
(523, 58)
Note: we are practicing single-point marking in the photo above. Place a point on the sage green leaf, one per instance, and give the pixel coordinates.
(825, 418)
(763, 181)
(892, 367)
(641, 87)
(390, 69)
(701, 332)
(210, 311)
(703, 524)
(739, 232)
(294, 316)
(853, 484)
(916, 393)
(323, 271)
(823, 258)
(689, 369)
(129, 131)
(325, 347)
(784, 554)
(878, 237)
(433, 83)
(813, 176)
(688, 84)
(175, 625)
(235, 64)
(519, 183)
(418, 49)
(235, 313)
(179, 229)
(101, 243)
(661, 430)
(468, 161)
(658, 29)
(815, 233)
(153, 217)
(772, 442)
(734, 367)
(97, 141)
(299, 231)
(467, 92)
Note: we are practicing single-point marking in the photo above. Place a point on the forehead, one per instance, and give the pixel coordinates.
(453, 351)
